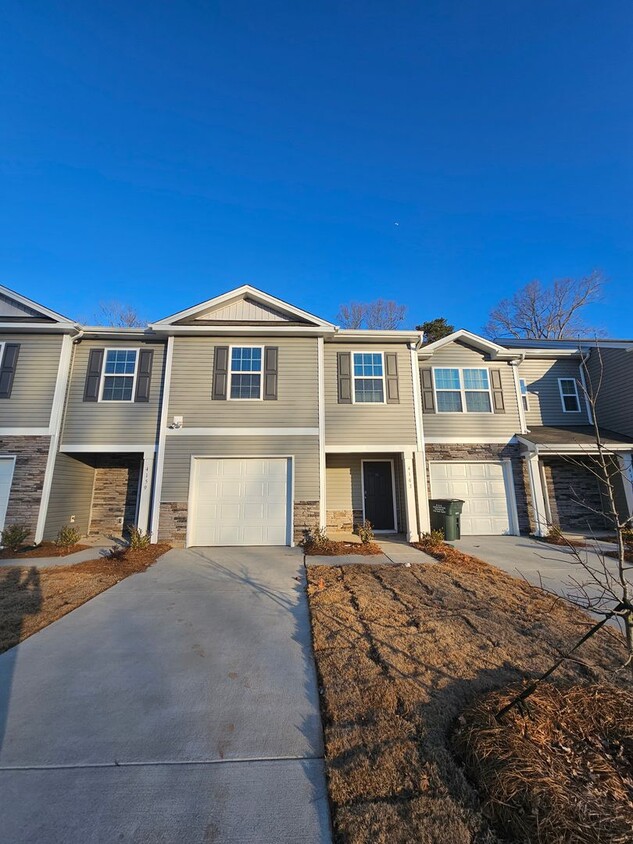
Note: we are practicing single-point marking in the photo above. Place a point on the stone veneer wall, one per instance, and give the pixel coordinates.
(487, 451)
(573, 492)
(115, 493)
(30, 454)
(173, 521)
(343, 519)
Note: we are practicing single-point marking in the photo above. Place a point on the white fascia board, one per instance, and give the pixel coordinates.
(242, 432)
(376, 336)
(549, 353)
(253, 292)
(146, 449)
(270, 328)
(373, 448)
(471, 440)
(35, 306)
(41, 327)
(111, 331)
(7, 431)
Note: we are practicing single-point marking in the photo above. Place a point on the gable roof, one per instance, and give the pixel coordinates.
(469, 339)
(17, 310)
(244, 305)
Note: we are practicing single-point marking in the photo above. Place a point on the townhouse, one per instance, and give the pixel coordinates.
(245, 420)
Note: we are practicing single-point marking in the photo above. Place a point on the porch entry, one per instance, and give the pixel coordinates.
(379, 498)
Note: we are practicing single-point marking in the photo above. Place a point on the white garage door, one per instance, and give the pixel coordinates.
(239, 501)
(6, 476)
(483, 489)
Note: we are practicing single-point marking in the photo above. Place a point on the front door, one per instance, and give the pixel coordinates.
(378, 488)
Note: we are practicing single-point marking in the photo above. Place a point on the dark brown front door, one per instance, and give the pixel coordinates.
(378, 486)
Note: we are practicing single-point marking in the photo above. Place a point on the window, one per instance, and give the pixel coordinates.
(525, 397)
(369, 385)
(246, 372)
(119, 375)
(569, 395)
(462, 390)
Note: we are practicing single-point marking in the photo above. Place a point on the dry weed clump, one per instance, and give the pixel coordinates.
(561, 774)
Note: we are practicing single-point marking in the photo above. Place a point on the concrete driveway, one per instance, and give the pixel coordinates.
(179, 706)
(522, 556)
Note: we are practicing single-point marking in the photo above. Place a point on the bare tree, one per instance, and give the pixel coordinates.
(604, 583)
(536, 312)
(379, 314)
(351, 315)
(119, 315)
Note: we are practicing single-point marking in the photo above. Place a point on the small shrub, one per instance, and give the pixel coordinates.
(138, 538)
(365, 532)
(67, 537)
(14, 537)
(316, 540)
(433, 539)
(627, 536)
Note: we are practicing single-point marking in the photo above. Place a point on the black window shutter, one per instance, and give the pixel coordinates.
(498, 405)
(144, 374)
(391, 371)
(220, 372)
(271, 357)
(7, 369)
(93, 375)
(344, 377)
(426, 382)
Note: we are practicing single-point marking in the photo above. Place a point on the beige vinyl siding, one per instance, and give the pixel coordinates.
(369, 424)
(297, 387)
(488, 426)
(343, 484)
(179, 450)
(111, 423)
(34, 383)
(611, 377)
(546, 408)
(71, 495)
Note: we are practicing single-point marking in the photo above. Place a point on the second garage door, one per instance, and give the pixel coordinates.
(239, 501)
(482, 487)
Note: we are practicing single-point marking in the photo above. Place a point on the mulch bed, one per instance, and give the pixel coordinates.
(32, 598)
(44, 549)
(401, 653)
(563, 772)
(331, 548)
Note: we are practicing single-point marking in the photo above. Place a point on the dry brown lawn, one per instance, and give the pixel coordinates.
(32, 598)
(401, 652)
(332, 548)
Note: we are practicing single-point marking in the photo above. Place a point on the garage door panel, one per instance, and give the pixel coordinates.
(481, 485)
(240, 501)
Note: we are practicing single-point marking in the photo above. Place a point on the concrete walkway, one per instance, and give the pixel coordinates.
(394, 552)
(43, 562)
(180, 705)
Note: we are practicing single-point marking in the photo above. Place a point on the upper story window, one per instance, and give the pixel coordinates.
(119, 375)
(569, 395)
(525, 396)
(246, 372)
(462, 390)
(369, 378)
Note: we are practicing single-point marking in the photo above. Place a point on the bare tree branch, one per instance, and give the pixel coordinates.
(379, 314)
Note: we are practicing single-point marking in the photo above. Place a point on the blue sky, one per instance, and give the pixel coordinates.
(160, 153)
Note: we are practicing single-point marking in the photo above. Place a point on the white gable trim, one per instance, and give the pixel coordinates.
(34, 306)
(251, 292)
(470, 339)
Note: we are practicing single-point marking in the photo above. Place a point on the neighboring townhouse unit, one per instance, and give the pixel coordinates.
(508, 429)
(35, 351)
(104, 468)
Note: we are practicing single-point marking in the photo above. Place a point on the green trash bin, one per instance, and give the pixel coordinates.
(445, 516)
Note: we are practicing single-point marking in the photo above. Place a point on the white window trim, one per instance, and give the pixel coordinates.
(105, 374)
(369, 377)
(525, 396)
(462, 391)
(244, 372)
(562, 395)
